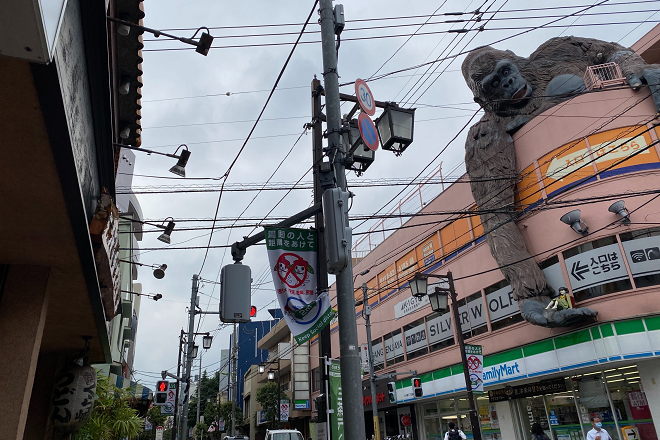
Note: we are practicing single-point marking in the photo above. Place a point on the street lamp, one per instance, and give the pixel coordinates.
(206, 341)
(262, 368)
(271, 375)
(195, 350)
(395, 128)
(165, 236)
(361, 155)
(439, 303)
(179, 169)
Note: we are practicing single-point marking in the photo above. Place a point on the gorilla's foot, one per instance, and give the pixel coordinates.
(534, 311)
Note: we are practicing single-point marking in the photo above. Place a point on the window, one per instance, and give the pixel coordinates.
(316, 379)
(246, 405)
(596, 268)
(502, 308)
(415, 339)
(393, 347)
(287, 436)
(440, 332)
(642, 249)
(472, 315)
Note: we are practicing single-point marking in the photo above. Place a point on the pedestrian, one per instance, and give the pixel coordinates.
(597, 433)
(455, 434)
(538, 433)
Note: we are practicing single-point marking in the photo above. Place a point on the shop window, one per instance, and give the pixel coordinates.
(472, 314)
(393, 347)
(596, 268)
(629, 401)
(642, 249)
(440, 331)
(415, 339)
(490, 424)
(316, 379)
(502, 308)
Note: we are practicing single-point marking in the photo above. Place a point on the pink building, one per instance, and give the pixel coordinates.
(586, 153)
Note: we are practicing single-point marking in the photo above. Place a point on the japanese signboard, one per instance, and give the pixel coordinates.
(337, 416)
(409, 305)
(415, 338)
(159, 433)
(643, 255)
(293, 259)
(168, 408)
(428, 252)
(285, 407)
(475, 362)
(528, 390)
(595, 267)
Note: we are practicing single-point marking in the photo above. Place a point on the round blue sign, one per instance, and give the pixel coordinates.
(368, 131)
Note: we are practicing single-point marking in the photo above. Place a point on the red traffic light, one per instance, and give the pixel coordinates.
(253, 311)
(161, 386)
(417, 382)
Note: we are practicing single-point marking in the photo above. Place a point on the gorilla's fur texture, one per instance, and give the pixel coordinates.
(497, 80)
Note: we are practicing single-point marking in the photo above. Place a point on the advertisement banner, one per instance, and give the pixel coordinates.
(285, 407)
(294, 261)
(336, 417)
(475, 361)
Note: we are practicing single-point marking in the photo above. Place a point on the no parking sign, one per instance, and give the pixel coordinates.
(368, 131)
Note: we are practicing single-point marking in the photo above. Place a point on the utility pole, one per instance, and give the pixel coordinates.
(234, 355)
(178, 386)
(190, 342)
(322, 273)
(199, 382)
(366, 311)
(348, 340)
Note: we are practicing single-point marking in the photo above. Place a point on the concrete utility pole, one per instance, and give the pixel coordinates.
(190, 342)
(366, 311)
(234, 397)
(177, 419)
(199, 388)
(322, 273)
(348, 341)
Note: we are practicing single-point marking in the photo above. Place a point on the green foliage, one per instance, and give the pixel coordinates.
(156, 418)
(267, 396)
(201, 430)
(112, 417)
(224, 412)
(208, 388)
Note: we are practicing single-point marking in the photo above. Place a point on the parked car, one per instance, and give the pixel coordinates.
(283, 434)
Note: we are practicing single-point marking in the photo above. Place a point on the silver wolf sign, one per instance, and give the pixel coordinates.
(294, 261)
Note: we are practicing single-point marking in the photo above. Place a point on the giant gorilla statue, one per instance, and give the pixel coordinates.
(512, 90)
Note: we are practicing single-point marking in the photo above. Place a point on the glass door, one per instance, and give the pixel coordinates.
(432, 429)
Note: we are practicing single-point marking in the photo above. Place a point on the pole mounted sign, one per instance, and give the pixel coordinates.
(365, 97)
(475, 362)
(368, 131)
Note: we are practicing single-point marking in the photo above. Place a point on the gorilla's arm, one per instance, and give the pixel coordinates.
(491, 165)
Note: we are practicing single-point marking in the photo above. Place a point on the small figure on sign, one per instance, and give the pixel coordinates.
(561, 302)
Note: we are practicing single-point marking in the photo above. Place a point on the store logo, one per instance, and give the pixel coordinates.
(501, 371)
(641, 255)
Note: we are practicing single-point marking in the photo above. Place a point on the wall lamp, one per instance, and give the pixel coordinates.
(619, 208)
(262, 368)
(202, 46)
(159, 269)
(155, 297)
(573, 220)
(165, 236)
(179, 169)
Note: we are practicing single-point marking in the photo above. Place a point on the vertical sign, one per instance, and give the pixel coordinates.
(284, 410)
(159, 433)
(337, 416)
(475, 362)
(294, 261)
(168, 408)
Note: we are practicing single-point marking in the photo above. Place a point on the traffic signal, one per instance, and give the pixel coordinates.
(417, 387)
(235, 293)
(391, 390)
(319, 403)
(253, 311)
(162, 386)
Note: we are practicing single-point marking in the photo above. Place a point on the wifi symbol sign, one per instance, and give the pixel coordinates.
(638, 256)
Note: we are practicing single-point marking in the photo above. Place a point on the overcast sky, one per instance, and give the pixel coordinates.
(173, 113)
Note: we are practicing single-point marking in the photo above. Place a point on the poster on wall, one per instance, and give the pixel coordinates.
(294, 261)
(475, 362)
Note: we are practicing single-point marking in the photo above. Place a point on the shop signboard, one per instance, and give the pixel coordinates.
(337, 416)
(440, 328)
(643, 255)
(475, 362)
(501, 304)
(415, 338)
(301, 404)
(472, 315)
(409, 305)
(393, 347)
(285, 407)
(528, 390)
(595, 267)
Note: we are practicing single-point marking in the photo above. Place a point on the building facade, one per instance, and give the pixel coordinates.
(606, 143)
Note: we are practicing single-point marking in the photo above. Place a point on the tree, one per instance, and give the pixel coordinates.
(156, 419)
(112, 417)
(267, 396)
(208, 390)
(224, 412)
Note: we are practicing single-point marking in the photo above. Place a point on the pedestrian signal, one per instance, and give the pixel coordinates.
(162, 386)
(391, 390)
(417, 387)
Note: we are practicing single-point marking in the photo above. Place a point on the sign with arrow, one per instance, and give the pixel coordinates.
(595, 267)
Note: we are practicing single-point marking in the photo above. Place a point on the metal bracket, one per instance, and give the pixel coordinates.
(394, 374)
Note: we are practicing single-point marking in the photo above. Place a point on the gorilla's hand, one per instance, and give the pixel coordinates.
(652, 78)
(534, 311)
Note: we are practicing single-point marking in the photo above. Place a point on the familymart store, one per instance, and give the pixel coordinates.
(610, 370)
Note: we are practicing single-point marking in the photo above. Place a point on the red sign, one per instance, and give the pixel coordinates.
(380, 398)
(406, 420)
(365, 97)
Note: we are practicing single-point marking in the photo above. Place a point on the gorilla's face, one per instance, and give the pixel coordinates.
(504, 85)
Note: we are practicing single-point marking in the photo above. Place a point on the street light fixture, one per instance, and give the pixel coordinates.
(361, 155)
(195, 350)
(262, 368)
(165, 236)
(271, 375)
(206, 341)
(439, 303)
(179, 169)
(395, 128)
(159, 272)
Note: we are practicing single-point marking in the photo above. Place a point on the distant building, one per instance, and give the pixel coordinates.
(223, 392)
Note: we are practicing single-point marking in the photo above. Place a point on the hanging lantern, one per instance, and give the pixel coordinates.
(73, 397)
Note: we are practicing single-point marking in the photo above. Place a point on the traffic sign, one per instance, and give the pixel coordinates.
(365, 97)
(368, 131)
(159, 433)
